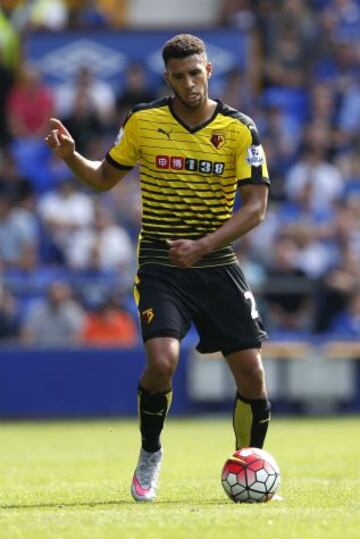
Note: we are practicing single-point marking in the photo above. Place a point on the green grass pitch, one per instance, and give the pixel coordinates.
(70, 480)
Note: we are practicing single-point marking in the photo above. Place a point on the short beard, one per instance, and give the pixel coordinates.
(188, 105)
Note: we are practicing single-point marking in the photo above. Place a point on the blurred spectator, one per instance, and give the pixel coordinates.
(349, 164)
(338, 286)
(347, 322)
(237, 14)
(135, 90)
(345, 15)
(12, 183)
(106, 242)
(280, 136)
(254, 272)
(9, 317)
(313, 167)
(236, 91)
(18, 233)
(30, 104)
(65, 210)
(311, 228)
(125, 203)
(90, 15)
(40, 15)
(349, 113)
(9, 42)
(109, 325)
(84, 121)
(287, 64)
(322, 105)
(56, 320)
(288, 294)
(94, 94)
(6, 81)
(347, 224)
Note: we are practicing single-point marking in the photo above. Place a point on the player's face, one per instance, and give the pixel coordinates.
(188, 78)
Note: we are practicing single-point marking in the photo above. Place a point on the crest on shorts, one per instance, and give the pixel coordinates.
(148, 315)
(218, 139)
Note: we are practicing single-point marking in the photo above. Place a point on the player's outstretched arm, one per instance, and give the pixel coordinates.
(98, 175)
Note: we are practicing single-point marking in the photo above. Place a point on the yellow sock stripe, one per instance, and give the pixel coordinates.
(169, 400)
(136, 291)
(243, 419)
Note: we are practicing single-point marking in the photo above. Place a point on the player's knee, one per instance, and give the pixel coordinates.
(253, 371)
(163, 368)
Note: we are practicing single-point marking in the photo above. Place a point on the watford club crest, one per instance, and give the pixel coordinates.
(148, 315)
(217, 139)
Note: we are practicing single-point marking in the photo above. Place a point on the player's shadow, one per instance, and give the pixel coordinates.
(60, 505)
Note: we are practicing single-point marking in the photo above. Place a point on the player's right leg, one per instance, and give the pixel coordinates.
(164, 321)
(154, 399)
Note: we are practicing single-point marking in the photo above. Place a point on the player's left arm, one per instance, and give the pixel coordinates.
(185, 253)
(253, 183)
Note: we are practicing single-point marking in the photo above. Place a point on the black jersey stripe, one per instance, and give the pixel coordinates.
(170, 234)
(202, 214)
(184, 201)
(188, 193)
(184, 204)
(190, 177)
(181, 190)
(195, 232)
(177, 216)
(116, 164)
(251, 181)
(189, 221)
(209, 185)
(208, 211)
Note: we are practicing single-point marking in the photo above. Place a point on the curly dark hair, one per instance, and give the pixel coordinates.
(181, 46)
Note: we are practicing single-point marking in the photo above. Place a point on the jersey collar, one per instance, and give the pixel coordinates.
(198, 127)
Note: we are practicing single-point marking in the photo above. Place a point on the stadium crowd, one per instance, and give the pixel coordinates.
(67, 256)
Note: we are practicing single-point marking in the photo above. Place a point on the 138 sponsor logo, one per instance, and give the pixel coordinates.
(173, 162)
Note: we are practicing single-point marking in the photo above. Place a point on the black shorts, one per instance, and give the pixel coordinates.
(218, 301)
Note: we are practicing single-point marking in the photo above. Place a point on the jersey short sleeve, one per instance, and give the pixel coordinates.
(250, 160)
(125, 153)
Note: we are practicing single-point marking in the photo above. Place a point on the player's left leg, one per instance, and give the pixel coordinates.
(251, 414)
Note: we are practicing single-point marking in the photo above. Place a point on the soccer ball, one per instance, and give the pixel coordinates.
(250, 475)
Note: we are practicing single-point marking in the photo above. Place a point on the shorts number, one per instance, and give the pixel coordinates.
(254, 312)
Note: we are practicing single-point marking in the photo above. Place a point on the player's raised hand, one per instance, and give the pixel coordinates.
(59, 139)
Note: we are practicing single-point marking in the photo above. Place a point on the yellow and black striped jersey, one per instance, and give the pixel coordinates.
(189, 176)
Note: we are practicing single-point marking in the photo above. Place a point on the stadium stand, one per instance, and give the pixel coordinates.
(300, 83)
(291, 65)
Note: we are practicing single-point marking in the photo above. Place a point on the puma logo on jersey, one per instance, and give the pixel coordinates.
(166, 133)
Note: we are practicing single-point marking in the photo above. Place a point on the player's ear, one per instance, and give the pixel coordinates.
(209, 69)
(166, 77)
